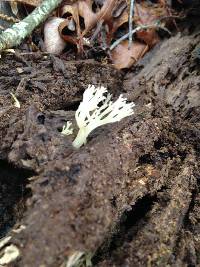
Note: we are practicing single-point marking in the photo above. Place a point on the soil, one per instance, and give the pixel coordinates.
(130, 196)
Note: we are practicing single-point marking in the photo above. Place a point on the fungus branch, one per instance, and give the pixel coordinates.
(97, 109)
(67, 130)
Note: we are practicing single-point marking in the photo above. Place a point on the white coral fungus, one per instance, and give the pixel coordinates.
(97, 109)
(67, 130)
(11, 253)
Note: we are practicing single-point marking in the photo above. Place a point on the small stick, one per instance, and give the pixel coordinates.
(131, 22)
(14, 35)
(139, 28)
(98, 29)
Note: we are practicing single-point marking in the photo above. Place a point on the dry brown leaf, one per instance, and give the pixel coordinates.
(119, 9)
(67, 10)
(103, 15)
(66, 34)
(80, 19)
(86, 19)
(120, 21)
(123, 57)
(106, 11)
(146, 14)
(91, 19)
(85, 11)
(71, 12)
(150, 37)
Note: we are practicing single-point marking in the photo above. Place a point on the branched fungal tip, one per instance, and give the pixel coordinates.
(97, 109)
(67, 130)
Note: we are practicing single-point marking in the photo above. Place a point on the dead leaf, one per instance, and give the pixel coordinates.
(66, 33)
(85, 19)
(148, 14)
(117, 11)
(149, 36)
(89, 17)
(71, 11)
(52, 40)
(106, 12)
(82, 25)
(123, 57)
(120, 21)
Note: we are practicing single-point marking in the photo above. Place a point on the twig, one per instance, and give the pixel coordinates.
(14, 35)
(131, 22)
(139, 28)
(98, 29)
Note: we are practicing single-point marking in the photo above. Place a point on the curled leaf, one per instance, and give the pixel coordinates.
(52, 40)
(70, 12)
(88, 16)
(149, 36)
(123, 57)
(146, 14)
(67, 33)
(118, 22)
(118, 10)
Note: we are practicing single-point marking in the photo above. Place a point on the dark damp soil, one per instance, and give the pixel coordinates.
(130, 196)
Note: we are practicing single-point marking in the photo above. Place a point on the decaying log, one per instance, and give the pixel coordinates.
(154, 244)
(84, 194)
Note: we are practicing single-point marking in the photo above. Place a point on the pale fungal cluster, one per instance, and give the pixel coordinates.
(97, 109)
(67, 130)
(16, 101)
(8, 252)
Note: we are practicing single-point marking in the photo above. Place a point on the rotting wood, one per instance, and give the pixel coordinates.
(87, 196)
(154, 243)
